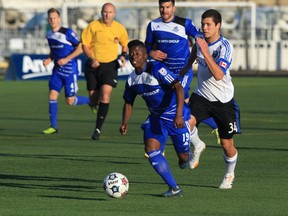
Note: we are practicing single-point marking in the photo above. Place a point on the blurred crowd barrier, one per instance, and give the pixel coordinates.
(259, 33)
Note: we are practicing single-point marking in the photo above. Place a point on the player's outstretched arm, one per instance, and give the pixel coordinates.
(73, 55)
(178, 120)
(126, 114)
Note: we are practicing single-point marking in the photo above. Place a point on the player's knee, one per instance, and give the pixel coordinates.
(70, 101)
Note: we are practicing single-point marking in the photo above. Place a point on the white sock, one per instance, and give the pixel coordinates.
(194, 138)
(230, 163)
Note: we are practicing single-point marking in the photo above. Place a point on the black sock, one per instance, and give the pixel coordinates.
(101, 114)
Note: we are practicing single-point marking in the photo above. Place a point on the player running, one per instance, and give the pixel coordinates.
(64, 48)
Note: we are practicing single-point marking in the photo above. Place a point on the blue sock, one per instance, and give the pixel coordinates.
(80, 100)
(161, 166)
(53, 111)
(210, 122)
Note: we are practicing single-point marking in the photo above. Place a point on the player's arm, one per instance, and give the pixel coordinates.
(178, 120)
(192, 58)
(152, 52)
(78, 50)
(48, 60)
(214, 68)
(124, 55)
(126, 114)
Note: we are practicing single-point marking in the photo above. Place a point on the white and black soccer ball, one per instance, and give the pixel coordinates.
(116, 185)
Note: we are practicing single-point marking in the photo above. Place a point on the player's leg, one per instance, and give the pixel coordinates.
(91, 85)
(103, 108)
(146, 126)
(181, 141)
(198, 108)
(71, 88)
(107, 76)
(198, 146)
(230, 159)
(211, 123)
(227, 117)
(153, 140)
(55, 86)
(161, 166)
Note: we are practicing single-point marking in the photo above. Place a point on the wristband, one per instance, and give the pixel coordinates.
(124, 54)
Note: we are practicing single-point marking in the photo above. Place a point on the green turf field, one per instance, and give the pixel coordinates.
(62, 174)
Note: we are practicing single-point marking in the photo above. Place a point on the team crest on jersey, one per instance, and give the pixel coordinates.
(116, 40)
(215, 54)
(163, 71)
(176, 29)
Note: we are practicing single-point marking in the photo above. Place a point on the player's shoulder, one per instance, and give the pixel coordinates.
(117, 24)
(227, 44)
(181, 20)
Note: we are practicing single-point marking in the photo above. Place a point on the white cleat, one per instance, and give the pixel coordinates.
(227, 181)
(194, 160)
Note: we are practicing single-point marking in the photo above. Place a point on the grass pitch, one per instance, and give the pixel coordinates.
(62, 174)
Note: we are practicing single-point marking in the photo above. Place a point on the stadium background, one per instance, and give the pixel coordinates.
(23, 28)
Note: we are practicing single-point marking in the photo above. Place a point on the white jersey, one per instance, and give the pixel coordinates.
(208, 87)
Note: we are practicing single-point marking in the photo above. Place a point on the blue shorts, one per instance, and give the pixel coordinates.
(160, 129)
(58, 81)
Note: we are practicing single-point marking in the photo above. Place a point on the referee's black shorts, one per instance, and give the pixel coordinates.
(106, 73)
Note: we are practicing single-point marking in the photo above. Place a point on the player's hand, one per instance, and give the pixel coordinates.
(46, 62)
(95, 64)
(203, 45)
(158, 55)
(179, 122)
(62, 61)
(123, 129)
(123, 61)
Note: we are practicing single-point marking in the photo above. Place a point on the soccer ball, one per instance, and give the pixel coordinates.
(116, 185)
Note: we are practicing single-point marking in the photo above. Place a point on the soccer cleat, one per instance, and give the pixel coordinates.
(194, 160)
(216, 133)
(147, 156)
(50, 130)
(227, 181)
(96, 134)
(173, 192)
(93, 108)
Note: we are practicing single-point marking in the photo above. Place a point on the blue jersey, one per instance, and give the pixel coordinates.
(62, 43)
(172, 39)
(154, 85)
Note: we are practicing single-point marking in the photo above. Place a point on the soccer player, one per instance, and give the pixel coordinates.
(64, 46)
(100, 41)
(167, 40)
(164, 97)
(214, 94)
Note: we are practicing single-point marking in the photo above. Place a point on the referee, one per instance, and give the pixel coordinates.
(100, 41)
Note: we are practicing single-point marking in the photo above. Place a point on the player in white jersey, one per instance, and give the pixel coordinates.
(214, 94)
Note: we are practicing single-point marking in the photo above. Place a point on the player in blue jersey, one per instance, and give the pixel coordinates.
(167, 40)
(164, 97)
(214, 94)
(64, 48)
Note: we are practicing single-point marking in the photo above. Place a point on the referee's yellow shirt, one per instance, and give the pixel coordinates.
(103, 40)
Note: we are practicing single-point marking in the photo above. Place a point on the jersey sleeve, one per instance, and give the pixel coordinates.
(73, 38)
(225, 57)
(164, 75)
(191, 29)
(124, 39)
(86, 36)
(149, 38)
(129, 95)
